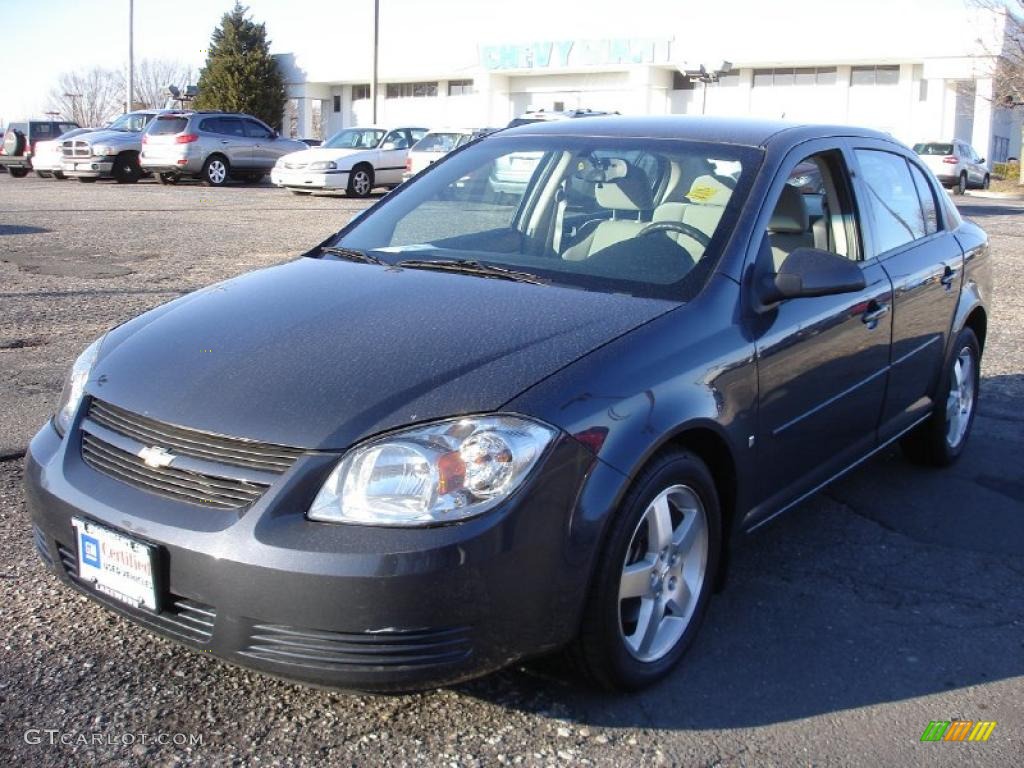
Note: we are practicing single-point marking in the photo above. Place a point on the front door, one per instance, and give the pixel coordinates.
(234, 143)
(917, 249)
(822, 361)
(390, 165)
(264, 151)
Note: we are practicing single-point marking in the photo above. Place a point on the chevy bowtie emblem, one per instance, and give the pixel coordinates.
(156, 457)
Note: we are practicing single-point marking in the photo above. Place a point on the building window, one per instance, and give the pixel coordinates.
(360, 92)
(881, 75)
(797, 76)
(411, 90)
(460, 87)
(337, 102)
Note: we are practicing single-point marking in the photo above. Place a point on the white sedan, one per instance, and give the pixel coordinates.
(356, 160)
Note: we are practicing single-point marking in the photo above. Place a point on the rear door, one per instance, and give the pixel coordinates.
(234, 142)
(264, 150)
(390, 163)
(822, 361)
(908, 237)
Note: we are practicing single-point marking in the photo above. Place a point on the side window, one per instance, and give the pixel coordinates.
(231, 126)
(209, 125)
(815, 210)
(397, 138)
(257, 130)
(927, 197)
(892, 199)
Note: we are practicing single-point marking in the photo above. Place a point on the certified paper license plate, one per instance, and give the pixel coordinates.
(116, 565)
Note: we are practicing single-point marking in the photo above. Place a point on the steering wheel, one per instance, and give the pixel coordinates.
(676, 226)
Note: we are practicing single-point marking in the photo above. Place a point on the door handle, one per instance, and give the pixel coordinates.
(948, 276)
(874, 313)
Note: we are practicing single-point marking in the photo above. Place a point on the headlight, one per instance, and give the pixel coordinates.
(74, 386)
(441, 473)
(323, 165)
(101, 149)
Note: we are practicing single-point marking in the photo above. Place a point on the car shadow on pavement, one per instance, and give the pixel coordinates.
(896, 582)
(976, 211)
(18, 229)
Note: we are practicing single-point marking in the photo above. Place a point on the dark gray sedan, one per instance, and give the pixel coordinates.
(477, 425)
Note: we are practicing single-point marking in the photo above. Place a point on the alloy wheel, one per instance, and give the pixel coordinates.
(663, 573)
(361, 183)
(216, 172)
(960, 402)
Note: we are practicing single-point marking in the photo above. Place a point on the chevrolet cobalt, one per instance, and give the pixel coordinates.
(478, 425)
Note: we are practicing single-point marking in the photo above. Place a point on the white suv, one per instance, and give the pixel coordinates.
(955, 164)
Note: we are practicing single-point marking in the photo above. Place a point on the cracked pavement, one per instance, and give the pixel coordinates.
(893, 598)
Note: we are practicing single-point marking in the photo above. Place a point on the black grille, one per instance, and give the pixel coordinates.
(188, 619)
(41, 546)
(315, 649)
(191, 442)
(180, 484)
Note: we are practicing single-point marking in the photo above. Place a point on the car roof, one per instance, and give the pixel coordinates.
(727, 130)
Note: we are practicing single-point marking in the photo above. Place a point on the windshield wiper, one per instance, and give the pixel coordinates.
(351, 254)
(470, 267)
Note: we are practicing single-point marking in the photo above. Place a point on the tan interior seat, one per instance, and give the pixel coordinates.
(789, 227)
(703, 209)
(627, 195)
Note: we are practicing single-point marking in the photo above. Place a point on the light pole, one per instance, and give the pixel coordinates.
(131, 55)
(376, 40)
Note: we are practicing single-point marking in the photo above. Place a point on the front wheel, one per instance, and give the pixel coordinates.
(167, 178)
(87, 179)
(961, 184)
(43, 174)
(18, 173)
(986, 182)
(216, 171)
(360, 182)
(940, 440)
(126, 169)
(655, 575)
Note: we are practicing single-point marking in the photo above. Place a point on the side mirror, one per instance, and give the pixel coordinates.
(981, 160)
(809, 272)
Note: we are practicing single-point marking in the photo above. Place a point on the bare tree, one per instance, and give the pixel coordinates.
(152, 76)
(90, 97)
(1006, 48)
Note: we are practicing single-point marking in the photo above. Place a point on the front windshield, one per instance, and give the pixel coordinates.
(355, 138)
(646, 217)
(133, 122)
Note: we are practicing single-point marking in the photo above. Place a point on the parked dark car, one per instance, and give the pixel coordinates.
(20, 139)
(494, 427)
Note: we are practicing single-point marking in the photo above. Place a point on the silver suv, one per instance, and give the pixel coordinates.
(110, 152)
(212, 146)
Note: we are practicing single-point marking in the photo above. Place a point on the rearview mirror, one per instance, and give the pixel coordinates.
(809, 272)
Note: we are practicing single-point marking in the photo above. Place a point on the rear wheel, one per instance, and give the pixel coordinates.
(940, 440)
(985, 182)
(961, 184)
(360, 181)
(655, 575)
(60, 176)
(126, 169)
(167, 178)
(18, 173)
(216, 171)
(43, 174)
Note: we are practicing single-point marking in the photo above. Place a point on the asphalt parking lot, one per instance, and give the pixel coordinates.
(894, 598)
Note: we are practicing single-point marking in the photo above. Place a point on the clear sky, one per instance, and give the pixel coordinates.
(48, 37)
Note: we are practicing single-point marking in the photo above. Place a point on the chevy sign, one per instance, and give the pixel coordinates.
(563, 54)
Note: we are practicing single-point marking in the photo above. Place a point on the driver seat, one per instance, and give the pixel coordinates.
(629, 193)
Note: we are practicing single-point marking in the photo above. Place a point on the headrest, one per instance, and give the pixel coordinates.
(631, 191)
(709, 190)
(790, 214)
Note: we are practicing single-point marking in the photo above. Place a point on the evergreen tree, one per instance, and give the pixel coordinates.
(240, 74)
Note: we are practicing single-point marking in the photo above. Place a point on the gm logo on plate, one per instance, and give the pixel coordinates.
(90, 551)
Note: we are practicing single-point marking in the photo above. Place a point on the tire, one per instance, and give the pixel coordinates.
(43, 174)
(612, 648)
(167, 178)
(299, 192)
(986, 182)
(961, 184)
(14, 143)
(88, 179)
(126, 169)
(360, 181)
(59, 176)
(940, 440)
(18, 173)
(216, 171)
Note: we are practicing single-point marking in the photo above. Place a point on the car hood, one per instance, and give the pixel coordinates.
(319, 354)
(313, 154)
(109, 137)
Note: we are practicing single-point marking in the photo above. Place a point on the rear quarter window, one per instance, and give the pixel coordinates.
(892, 198)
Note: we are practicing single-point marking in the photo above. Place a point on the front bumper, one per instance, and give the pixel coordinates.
(303, 179)
(347, 606)
(87, 167)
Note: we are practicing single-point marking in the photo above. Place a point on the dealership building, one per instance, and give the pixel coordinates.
(918, 70)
